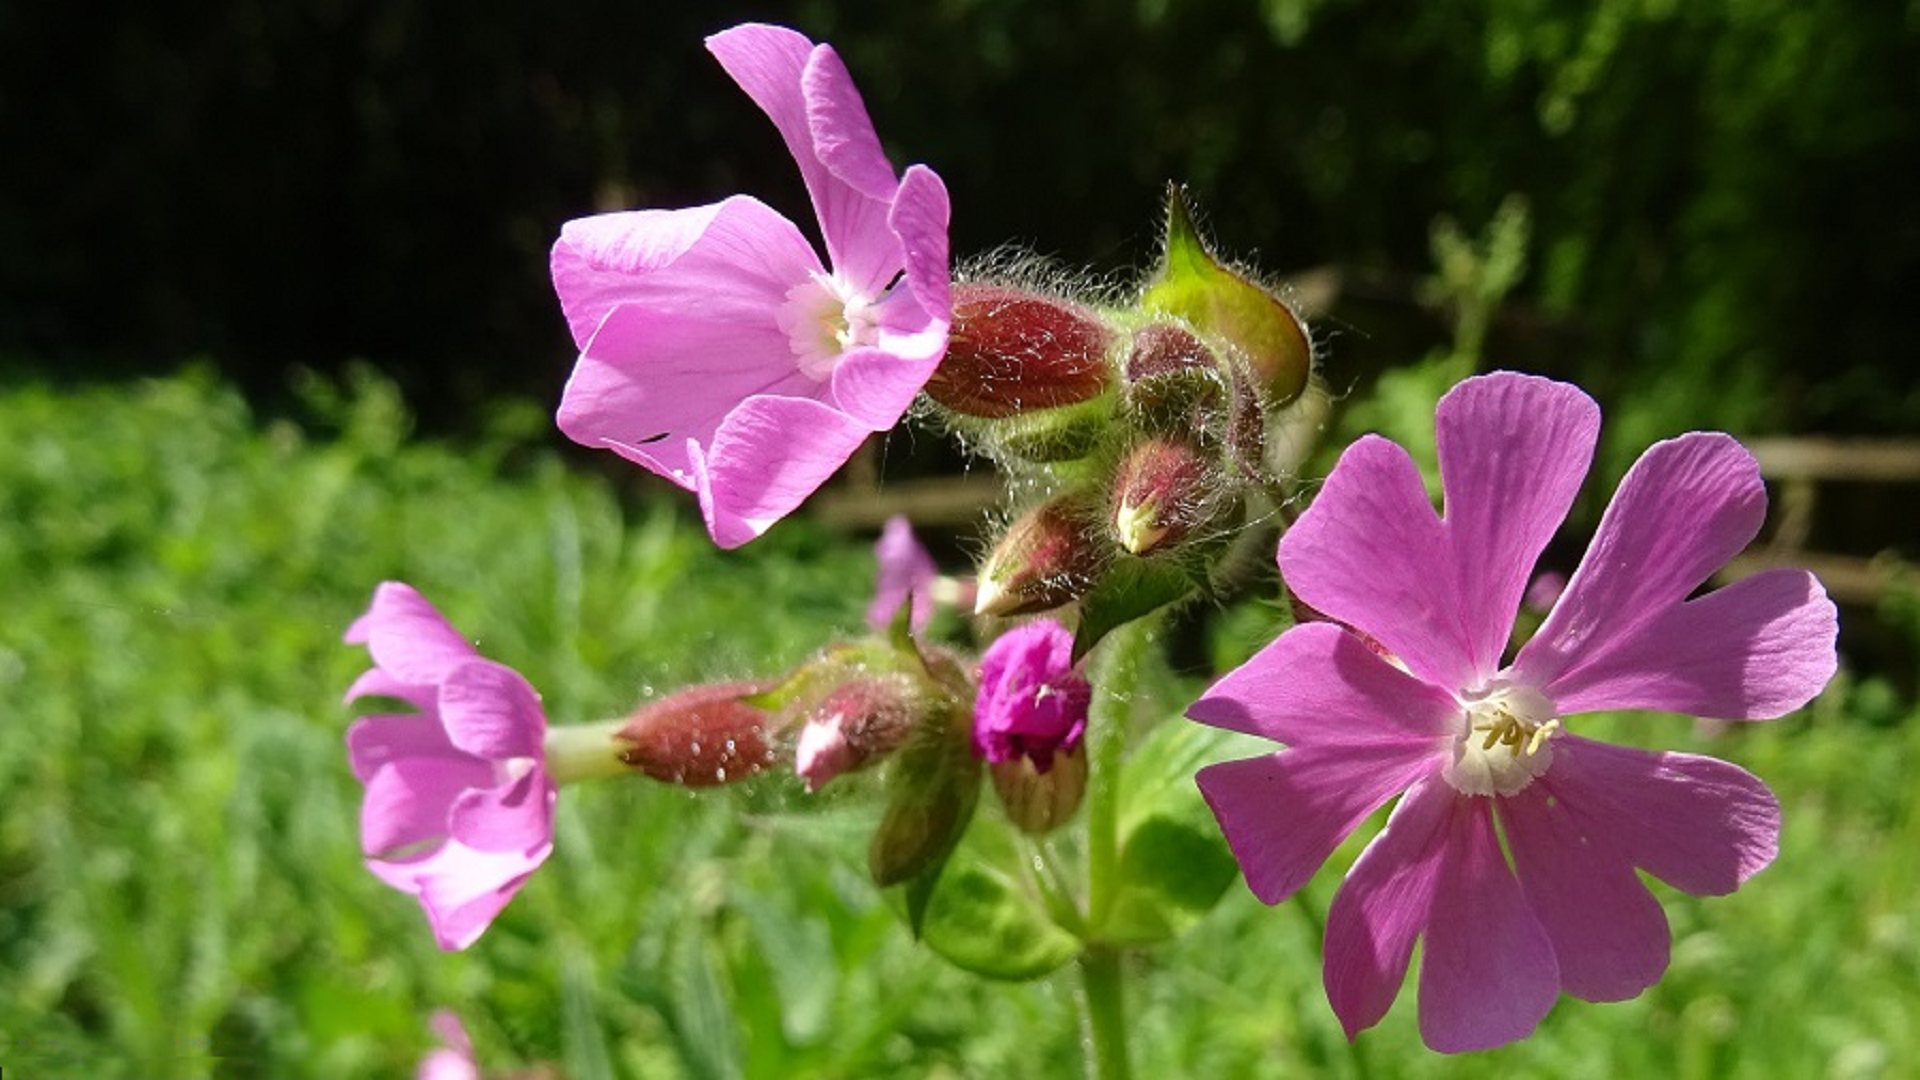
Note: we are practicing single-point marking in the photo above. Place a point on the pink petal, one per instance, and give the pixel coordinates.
(1370, 552)
(491, 712)
(1609, 935)
(769, 455)
(375, 682)
(1685, 508)
(516, 817)
(598, 260)
(806, 92)
(1697, 823)
(1488, 974)
(408, 638)
(407, 803)
(919, 218)
(374, 741)
(1283, 814)
(654, 382)
(876, 387)
(1757, 649)
(906, 571)
(1318, 684)
(854, 207)
(1513, 451)
(1383, 905)
(461, 889)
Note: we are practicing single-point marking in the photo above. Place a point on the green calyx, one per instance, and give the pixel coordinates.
(1225, 306)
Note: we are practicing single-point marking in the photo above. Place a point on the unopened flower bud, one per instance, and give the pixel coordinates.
(1040, 802)
(857, 724)
(701, 736)
(1045, 559)
(934, 784)
(1011, 352)
(1221, 303)
(1169, 372)
(1162, 491)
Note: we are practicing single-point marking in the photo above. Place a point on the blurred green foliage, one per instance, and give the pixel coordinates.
(181, 894)
(1723, 218)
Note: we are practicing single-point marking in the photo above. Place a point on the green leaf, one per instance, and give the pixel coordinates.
(1172, 873)
(1131, 587)
(982, 921)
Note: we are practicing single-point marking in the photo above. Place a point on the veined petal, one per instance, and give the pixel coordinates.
(1318, 684)
(1370, 553)
(793, 80)
(1513, 451)
(461, 889)
(1699, 824)
(491, 712)
(731, 262)
(1383, 906)
(876, 387)
(374, 741)
(1759, 648)
(1284, 813)
(408, 637)
(1609, 935)
(1685, 508)
(855, 204)
(919, 217)
(407, 803)
(653, 381)
(769, 455)
(511, 817)
(1488, 974)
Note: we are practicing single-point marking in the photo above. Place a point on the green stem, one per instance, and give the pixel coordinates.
(584, 751)
(1105, 1014)
(1114, 683)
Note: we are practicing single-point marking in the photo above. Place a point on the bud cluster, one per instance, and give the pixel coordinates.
(1147, 425)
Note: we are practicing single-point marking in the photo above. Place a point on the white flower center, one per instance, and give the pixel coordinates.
(1504, 742)
(824, 317)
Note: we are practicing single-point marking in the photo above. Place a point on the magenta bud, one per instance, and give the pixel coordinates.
(1171, 375)
(857, 724)
(1011, 352)
(1162, 492)
(1047, 558)
(702, 736)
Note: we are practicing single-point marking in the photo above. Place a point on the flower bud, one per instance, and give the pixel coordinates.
(1028, 722)
(933, 785)
(1011, 352)
(1161, 492)
(701, 736)
(1221, 303)
(1170, 373)
(858, 723)
(1040, 802)
(1045, 559)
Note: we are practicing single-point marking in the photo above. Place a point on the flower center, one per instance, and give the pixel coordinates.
(1504, 742)
(824, 317)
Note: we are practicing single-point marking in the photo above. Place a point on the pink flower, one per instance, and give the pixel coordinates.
(459, 806)
(716, 351)
(454, 1060)
(1465, 740)
(1032, 702)
(906, 571)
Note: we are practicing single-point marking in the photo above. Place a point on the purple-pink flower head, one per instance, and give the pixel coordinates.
(716, 350)
(907, 571)
(459, 806)
(1032, 702)
(1465, 740)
